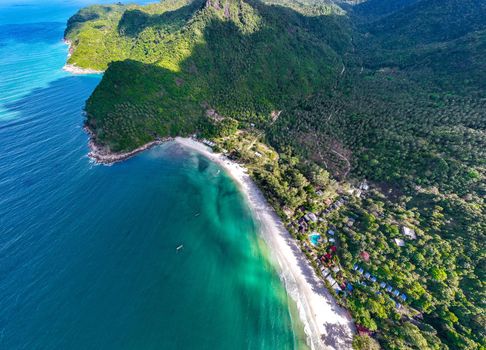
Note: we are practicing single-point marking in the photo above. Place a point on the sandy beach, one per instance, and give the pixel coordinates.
(71, 68)
(327, 325)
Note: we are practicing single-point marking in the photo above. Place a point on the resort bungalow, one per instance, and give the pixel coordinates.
(360, 270)
(325, 271)
(367, 275)
(336, 269)
(389, 288)
(373, 279)
(308, 249)
(208, 143)
(331, 280)
(365, 256)
(350, 222)
(382, 284)
(332, 240)
(399, 242)
(330, 232)
(337, 288)
(303, 225)
(310, 217)
(396, 292)
(408, 232)
(363, 330)
(364, 186)
(355, 267)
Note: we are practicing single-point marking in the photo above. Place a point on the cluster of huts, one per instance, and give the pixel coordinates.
(208, 143)
(310, 217)
(334, 206)
(325, 265)
(383, 285)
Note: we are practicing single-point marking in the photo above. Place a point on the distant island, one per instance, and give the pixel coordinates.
(362, 122)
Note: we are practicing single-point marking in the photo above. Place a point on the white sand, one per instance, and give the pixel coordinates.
(327, 325)
(71, 68)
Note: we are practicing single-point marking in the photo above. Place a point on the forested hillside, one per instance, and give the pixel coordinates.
(389, 91)
(374, 9)
(409, 114)
(240, 59)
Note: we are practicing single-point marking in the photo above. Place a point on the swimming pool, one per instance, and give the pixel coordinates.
(315, 238)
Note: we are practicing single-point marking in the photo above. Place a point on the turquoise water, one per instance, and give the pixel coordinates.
(88, 255)
(314, 239)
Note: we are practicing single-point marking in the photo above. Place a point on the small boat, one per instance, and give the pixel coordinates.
(197, 214)
(180, 247)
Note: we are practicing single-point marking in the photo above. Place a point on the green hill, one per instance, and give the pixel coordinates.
(173, 67)
(390, 91)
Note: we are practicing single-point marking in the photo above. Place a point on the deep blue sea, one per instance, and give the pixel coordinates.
(88, 255)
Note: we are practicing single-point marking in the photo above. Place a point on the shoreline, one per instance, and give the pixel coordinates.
(101, 155)
(72, 68)
(327, 325)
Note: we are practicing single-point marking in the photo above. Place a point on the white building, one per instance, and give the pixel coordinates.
(408, 232)
(331, 280)
(310, 217)
(399, 242)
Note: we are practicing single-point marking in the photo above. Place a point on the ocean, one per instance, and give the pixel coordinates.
(88, 253)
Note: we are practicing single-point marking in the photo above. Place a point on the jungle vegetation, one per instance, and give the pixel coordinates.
(328, 93)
